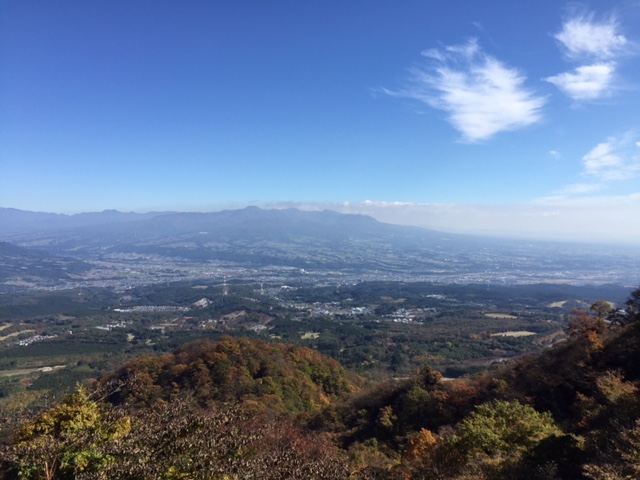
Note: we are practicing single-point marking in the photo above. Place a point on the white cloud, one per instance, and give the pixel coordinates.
(480, 94)
(599, 158)
(596, 44)
(613, 160)
(582, 36)
(587, 82)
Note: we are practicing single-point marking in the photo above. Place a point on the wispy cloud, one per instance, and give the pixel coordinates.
(584, 37)
(596, 44)
(481, 95)
(618, 158)
(585, 83)
(615, 160)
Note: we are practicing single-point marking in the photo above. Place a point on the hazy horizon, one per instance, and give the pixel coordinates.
(502, 119)
(397, 216)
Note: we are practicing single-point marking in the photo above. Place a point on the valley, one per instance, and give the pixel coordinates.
(370, 341)
(318, 248)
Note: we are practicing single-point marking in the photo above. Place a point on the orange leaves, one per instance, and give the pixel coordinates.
(420, 446)
(583, 324)
(590, 328)
(234, 369)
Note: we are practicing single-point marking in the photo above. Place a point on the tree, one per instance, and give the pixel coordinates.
(419, 450)
(64, 441)
(629, 314)
(504, 428)
(601, 309)
(590, 328)
(633, 305)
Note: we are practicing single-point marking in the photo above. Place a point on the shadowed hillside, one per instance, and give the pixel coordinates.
(27, 264)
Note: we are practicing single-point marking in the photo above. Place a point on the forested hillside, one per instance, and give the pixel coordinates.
(241, 408)
(286, 378)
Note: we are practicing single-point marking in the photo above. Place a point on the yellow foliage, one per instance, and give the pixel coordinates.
(66, 439)
(613, 387)
(420, 446)
(386, 417)
(74, 414)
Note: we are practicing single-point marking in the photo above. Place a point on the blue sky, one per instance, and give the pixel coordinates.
(497, 117)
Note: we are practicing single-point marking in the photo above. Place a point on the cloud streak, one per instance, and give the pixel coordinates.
(595, 44)
(480, 95)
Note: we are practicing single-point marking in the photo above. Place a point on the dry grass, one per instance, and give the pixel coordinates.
(521, 333)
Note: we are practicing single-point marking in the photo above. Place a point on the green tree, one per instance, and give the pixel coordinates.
(504, 428)
(633, 304)
(601, 309)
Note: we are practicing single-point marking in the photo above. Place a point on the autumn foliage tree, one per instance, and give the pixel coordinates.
(82, 439)
(285, 378)
(65, 441)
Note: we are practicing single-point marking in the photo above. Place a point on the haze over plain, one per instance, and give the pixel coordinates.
(504, 117)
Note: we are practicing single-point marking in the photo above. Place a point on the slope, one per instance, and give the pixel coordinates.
(285, 378)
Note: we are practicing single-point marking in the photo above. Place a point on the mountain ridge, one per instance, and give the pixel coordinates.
(17, 221)
(327, 241)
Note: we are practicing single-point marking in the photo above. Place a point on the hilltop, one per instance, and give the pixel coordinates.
(286, 378)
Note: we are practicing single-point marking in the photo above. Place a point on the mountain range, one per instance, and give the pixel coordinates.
(313, 240)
